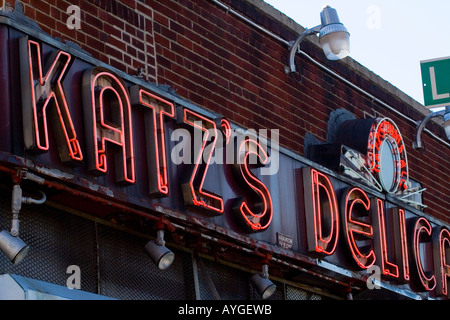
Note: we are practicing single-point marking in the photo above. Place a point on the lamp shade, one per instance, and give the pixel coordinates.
(13, 247)
(160, 255)
(333, 36)
(447, 124)
(264, 286)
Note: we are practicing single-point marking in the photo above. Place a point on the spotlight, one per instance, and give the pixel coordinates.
(262, 283)
(10, 244)
(158, 252)
(13, 247)
(333, 38)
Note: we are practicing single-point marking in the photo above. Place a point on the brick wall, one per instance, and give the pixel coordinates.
(119, 33)
(221, 63)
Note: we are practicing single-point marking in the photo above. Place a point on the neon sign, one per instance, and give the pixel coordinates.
(253, 219)
(337, 217)
(386, 155)
(441, 240)
(387, 267)
(421, 234)
(157, 111)
(193, 191)
(46, 102)
(108, 120)
(400, 241)
(354, 208)
(324, 212)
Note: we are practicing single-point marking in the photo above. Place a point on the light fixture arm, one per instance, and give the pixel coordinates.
(265, 271)
(14, 248)
(295, 46)
(16, 205)
(160, 238)
(333, 38)
(417, 144)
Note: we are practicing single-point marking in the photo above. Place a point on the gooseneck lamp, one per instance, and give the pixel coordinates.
(333, 38)
(445, 114)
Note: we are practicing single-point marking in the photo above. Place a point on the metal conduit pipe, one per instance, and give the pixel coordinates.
(273, 35)
(82, 194)
(30, 200)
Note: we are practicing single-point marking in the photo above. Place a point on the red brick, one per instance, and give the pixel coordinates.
(222, 63)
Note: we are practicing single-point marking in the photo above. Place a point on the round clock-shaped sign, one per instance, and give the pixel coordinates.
(388, 159)
(387, 155)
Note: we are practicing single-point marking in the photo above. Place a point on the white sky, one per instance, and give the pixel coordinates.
(389, 37)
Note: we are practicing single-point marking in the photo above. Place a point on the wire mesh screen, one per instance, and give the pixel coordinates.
(229, 283)
(113, 263)
(217, 281)
(293, 293)
(57, 240)
(127, 273)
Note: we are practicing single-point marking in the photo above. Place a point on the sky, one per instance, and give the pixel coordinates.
(389, 37)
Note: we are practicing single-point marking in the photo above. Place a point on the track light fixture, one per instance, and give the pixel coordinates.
(158, 252)
(262, 283)
(14, 248)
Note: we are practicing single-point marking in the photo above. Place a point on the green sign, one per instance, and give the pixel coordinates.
(436, 82)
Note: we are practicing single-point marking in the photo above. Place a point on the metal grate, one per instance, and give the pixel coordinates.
(293, 293)
(57, 240)
(113, 262)
(231, 284)
(127, 273)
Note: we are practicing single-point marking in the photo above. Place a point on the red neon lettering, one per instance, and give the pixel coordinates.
(387, 268)
(160, 110)
(193, 190)
(402, 182)
(226, 129)
(258, 218)
(422, 228)
(401, 247)
(355, 205)
(381, 130)
(441, 254)
(108, 119)
(47, 91)
(324, 212)
(402, 163)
